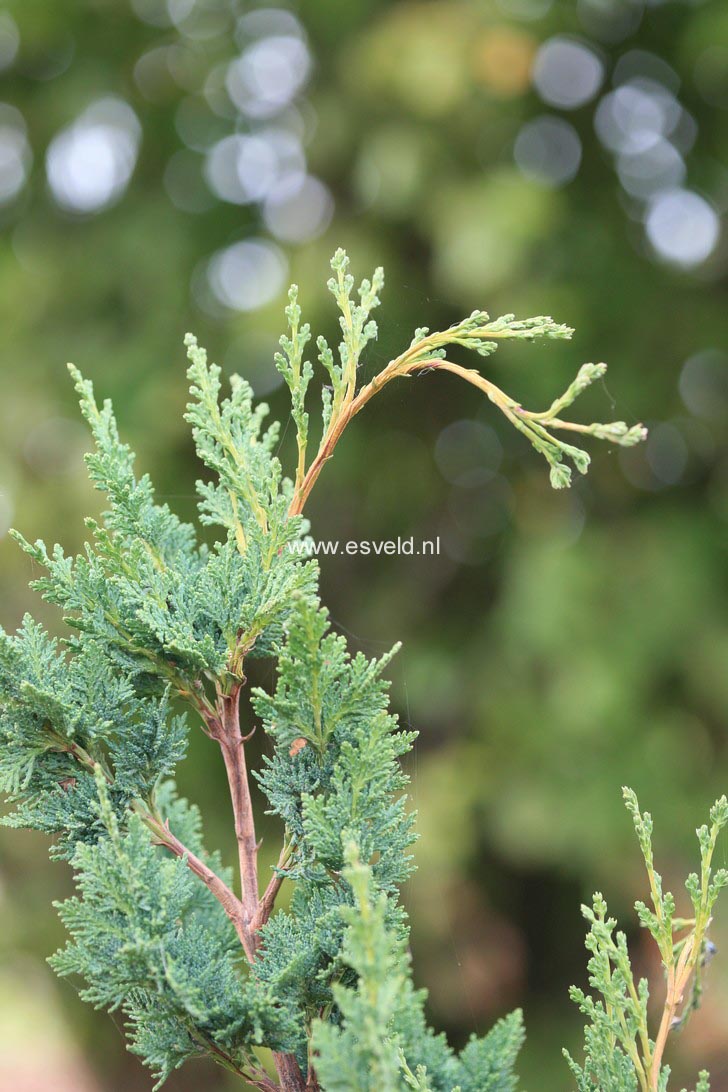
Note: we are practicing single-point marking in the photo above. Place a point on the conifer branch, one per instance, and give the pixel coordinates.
(229, 901)
(252, 911)
(428, 353)
(619, 1047)
(90, 745)
(164, 836)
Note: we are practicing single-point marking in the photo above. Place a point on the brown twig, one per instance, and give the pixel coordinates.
(406, 364)
(224, 726)
(268, 898)
(289, 1073)
(229, 901)
(677, 981)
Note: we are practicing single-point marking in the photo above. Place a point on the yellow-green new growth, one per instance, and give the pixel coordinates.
(341, 400)
(620, 1052)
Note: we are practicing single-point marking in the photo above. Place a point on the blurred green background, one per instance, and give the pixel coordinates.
(168, 165)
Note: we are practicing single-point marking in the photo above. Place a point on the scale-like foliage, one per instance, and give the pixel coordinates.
(335, 763)
(90, 738)
(59, 717)
(143, 941)
(620, 1052)
(382, 1043)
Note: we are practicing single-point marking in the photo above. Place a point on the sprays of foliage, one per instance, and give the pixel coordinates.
(620, 1053)
(197, 960)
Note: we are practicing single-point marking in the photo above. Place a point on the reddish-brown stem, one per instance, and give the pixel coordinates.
(249, 913)
(289, 1073)
(229, 901)
(333, 435)
(404, 365)
(225, 728)
(268, 898)
(677, 981)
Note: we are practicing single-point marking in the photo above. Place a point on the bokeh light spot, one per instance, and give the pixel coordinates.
(251, 355)
(667, 453)
(268, 75)
(634, 117)
(468, 453)
(658, 167)
(90, 163)
(247, 275)
(242, 169)
(392, 168)
(548, 151)
(15, 153)
(704, 384)
(682, 227)
(567, 73)
(484, 509)
(502, 61)
(298, 209)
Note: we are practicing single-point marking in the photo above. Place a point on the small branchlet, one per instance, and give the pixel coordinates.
(620, 1051)
(428, 352)
(356, 326)
(297, 374)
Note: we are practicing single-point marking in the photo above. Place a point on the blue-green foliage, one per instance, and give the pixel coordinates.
(91, 731)
(382, 1043)
(55, 712)
(334, 774)
(163, 609)
(335, 765)
(150, 940)
(252, 580)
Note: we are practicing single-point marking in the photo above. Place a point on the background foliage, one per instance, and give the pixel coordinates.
(167, 166)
